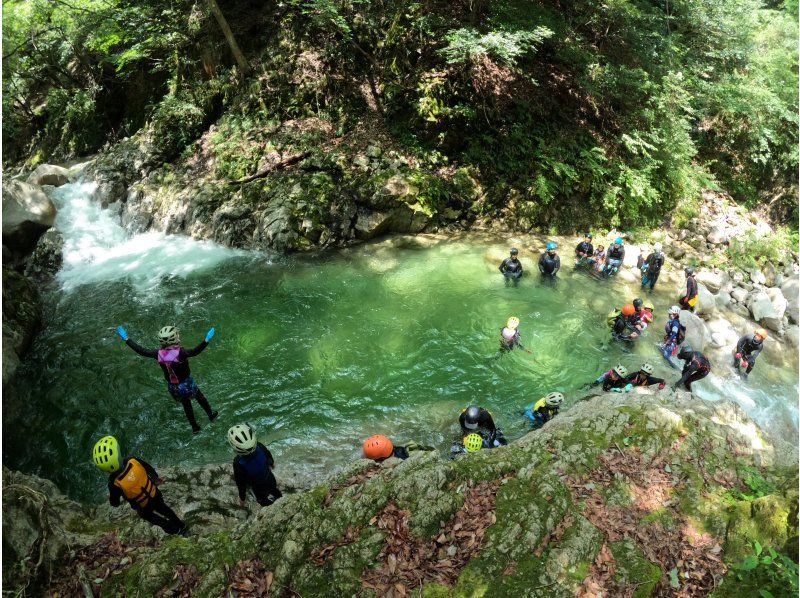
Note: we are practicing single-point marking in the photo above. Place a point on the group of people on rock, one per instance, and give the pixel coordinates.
(135, 480)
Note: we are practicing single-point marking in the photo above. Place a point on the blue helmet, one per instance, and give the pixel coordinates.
(551, 245)
(618, 241)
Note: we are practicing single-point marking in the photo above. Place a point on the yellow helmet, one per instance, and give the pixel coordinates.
(512, 323)
(105, 454)
(473, 442)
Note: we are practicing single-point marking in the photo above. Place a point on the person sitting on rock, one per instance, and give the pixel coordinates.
(614, 380)
(174, 362)
(644, 377)
(747, 350)
(584, 252)
(137, 481)
(695, 367)
(652, 266)
(511, 267)
(549, 262)
(544, 409)
(479, 420)
(379, 448)
(675, 333)
(625, 328)
(599, 257)
(614, 258)
(689, 300)
(252, 466)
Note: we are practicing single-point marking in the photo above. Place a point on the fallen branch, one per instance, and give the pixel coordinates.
(273, 167)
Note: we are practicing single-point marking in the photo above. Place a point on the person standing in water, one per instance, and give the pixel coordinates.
(747, 349)
(549, 262)
(136, 481)
(511, 267)
(174, 362)
(652, 266)
(509, 336)
(252, 466)
(696, 367)
(543, 410)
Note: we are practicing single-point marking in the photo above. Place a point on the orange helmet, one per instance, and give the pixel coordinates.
(762, 333)
(378, 447)
(628, 310)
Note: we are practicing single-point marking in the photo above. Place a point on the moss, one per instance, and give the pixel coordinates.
(763, 520)
(632, 568)
(664, 516)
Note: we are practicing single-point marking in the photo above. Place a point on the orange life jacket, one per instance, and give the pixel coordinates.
(135, 484)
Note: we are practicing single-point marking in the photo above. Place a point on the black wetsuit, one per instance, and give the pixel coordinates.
(507, 345)
(691, 292)
(623, 328)
(654, 261)
(485, 422)
(642, 379)
(549, 265)
(511, 268)
(156, 510)
(696, 367)
(403, 452)
(255, 470)
(609, 383)
(616, 253)
(750, 348)
(180, 383)
(584, 248)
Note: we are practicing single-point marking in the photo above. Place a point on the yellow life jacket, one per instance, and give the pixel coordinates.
(135, 484)
(693, 301)
(539, 404)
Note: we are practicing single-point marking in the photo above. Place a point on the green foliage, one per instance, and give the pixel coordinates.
(764, 573)
(506, 47)
(756, 249)
(175, 123)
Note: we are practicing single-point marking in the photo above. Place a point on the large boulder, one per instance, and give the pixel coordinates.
(27, 214)
(697, 333)
(791, 290)
(713, 281)
(49, 174)
(757, 276)
(759, 304)
(774, 321)
(706, 302)
(47, 258)
(793, 336)
(739, 294)
(21, 318)
(718, 236)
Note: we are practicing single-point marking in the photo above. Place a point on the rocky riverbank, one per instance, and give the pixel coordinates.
(629, 496)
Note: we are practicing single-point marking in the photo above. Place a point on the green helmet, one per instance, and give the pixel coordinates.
(242, 438)
(105, 454)
(168, 335)
(473, 442)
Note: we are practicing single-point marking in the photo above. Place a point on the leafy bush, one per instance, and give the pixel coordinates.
(754, 250)
(175, 123)
(763, 574)
(504, 46)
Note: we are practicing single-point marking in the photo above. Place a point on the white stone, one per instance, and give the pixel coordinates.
(791, 290)
(697, 334)
(739, 294)
(714, 281)
(757, 276)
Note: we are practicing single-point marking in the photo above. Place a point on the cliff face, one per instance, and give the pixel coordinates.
(632, 495)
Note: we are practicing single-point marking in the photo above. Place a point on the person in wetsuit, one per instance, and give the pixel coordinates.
(549, 262)
(544, 409)
(511, 267)
(614, 380)
(614, 257)
(584, 252)
(252, 466)
(510, 337)
(478, 420)
(135, 480)
(174, 362)
(652, 266)
(695, 367)
(644, 377)
(624, 328)
(643, 314)
(689, 300)
(747, 350)
(379, 448)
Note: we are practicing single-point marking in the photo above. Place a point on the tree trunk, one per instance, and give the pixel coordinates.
(226, 30)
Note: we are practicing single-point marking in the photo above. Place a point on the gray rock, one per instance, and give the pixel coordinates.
(739, 294)
(706, 302)
(736, 276)
(774, 321)
(697, 333)
(713, 281)
(740, 309)
(770, 273)
(21, 319)
(373, 151)
(49, 174)
(793, 336)
(757, 276)
(27, 214)
(760, 305)
(718, 236)
(46, 259)
(791, 290)
(723, 300)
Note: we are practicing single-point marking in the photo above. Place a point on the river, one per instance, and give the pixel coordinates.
(316, 351)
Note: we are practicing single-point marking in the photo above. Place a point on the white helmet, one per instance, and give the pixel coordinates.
(620, 370)
(242, 438)
(647, 369)
(658, 246)
(168, 335)
(554, 399)
(674, 310)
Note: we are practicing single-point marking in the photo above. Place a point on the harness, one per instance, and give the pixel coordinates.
(135, 484)
(168, 357)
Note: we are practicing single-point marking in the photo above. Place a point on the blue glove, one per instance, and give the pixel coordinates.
(628, 387)
(616, 390)
(122, 333)
(530, 415)
(210, 334)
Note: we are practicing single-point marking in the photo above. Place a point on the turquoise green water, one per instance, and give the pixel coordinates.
(317, 353)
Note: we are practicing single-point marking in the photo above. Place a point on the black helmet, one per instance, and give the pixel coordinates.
(514, 251)
(588, 236)
(689, 271)
(685, 352)
(637, 303)
(471, 417)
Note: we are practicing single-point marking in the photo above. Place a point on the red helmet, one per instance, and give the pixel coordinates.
(378, 447)
(628, 310)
